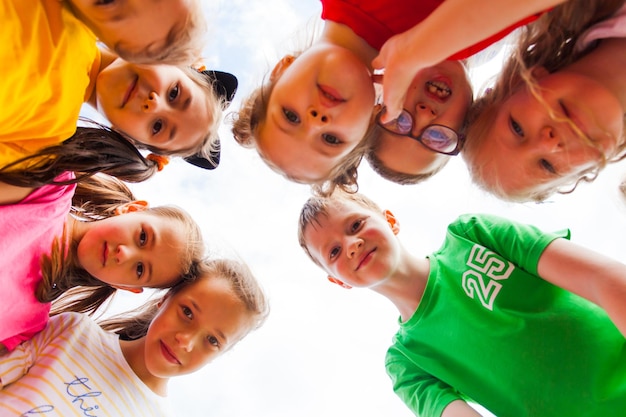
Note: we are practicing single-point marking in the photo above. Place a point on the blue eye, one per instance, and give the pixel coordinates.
(515, 127)
(213, 341)
(291, 116)
(356, 225)
(140, 270)
(157, 127)
(174, 92)
(331, 139)
(547, 166)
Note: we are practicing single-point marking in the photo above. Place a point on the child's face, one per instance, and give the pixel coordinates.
(158, 105)
(354, 244)
(133, 250)
(318, 111)
(193, 327)
(437, 95)
(526, 149)
(133, 27)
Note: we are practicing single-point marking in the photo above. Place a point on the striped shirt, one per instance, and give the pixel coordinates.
(74, 368)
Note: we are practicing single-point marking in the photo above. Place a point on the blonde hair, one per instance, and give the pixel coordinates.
(183, 44)
(548, 42)
(317, 206)
(96, 198)
(134, 324)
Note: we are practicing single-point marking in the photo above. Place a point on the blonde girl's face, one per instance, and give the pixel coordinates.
(194, 326)
(526, 149)
(158, 105)
(318, 111)
(133, 250)
(134, 28)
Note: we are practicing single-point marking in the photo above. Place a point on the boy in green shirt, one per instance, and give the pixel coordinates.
(502, 314)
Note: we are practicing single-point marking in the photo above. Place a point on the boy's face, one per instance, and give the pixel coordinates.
(133, 28)
(158, 105)
(354, 244)
(441, 94)
(547, 150)
(193, 327)
(318, 111)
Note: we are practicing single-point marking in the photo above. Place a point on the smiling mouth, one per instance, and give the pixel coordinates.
(168, 354)
(329, 96)
(131, 90)
(439, 89)
(365, 260)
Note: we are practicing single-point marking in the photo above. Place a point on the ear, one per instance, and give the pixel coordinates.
(539, 72)
(162, 300)
(377, 108)
(393, 222)
(134, 290)
(338, 282)
(137, 205)
(282, 65)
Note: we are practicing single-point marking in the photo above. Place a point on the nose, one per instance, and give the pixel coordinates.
(425, 114)
(185, 341)
(354, 247)
(549, 139)
(151, 102)
(318, 116)
(123, 253)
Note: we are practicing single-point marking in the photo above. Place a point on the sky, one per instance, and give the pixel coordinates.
(321, 352)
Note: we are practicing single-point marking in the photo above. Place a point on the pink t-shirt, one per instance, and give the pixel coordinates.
(27, 230)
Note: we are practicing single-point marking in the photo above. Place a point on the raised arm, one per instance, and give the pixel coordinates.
(452, 27)
(591, 275)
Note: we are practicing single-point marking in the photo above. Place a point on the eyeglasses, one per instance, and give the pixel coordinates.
(437, 138)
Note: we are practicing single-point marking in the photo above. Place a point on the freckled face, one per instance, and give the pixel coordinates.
(354, 244)
(318, 111)
(440, 95)
(133, 250)
(134, 29)
(548, 151)
(195, 326)
(158, 105)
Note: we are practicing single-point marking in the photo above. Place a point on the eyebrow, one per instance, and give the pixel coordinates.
(218, 331)
(183, 107)
(152, 245)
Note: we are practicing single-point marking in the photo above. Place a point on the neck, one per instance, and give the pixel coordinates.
(405, 287)
(134, 353)
(342, 35)
(606, 64)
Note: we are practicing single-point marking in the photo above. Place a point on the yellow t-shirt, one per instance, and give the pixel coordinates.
(47, 58)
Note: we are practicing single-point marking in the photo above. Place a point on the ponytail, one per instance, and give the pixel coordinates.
(90, 150)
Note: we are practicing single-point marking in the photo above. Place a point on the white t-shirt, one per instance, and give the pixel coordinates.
(74, 368)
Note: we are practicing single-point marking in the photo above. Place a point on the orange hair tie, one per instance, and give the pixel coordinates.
(160, 160)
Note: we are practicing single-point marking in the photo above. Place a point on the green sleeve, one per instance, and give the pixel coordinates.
(519, 243)
(425, 395)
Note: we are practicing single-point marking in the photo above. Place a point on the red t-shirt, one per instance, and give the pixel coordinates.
(377, 20)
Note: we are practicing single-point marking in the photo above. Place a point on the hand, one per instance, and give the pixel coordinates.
(399, 71)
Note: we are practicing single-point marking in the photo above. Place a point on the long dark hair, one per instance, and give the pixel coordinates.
(88, 151)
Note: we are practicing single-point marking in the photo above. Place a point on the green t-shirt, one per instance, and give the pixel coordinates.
(490, 331)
